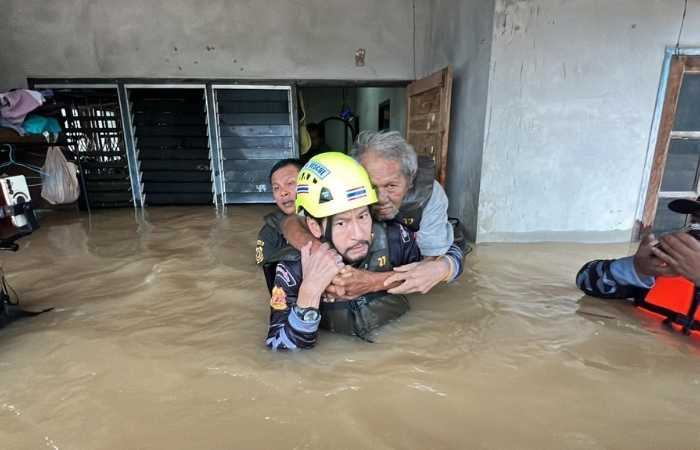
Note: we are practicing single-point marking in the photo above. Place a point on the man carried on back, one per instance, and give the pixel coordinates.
(408, 194)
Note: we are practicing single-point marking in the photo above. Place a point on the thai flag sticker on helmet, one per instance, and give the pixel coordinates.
(355, 193)
(302, 189)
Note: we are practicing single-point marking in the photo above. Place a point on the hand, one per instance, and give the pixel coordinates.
(681, 252)
(419, 276)
(646, 262)
(318, 268)
(352, 283)
(334, 292)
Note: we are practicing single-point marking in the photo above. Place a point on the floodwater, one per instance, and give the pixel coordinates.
(156, 342)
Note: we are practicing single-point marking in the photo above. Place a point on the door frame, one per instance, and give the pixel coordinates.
(659, 136)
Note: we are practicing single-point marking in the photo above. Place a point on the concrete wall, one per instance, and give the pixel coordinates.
(572, 92)
(460, 34)
(368, 100)
(207, 38)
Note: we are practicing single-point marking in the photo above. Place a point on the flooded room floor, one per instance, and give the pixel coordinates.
(157, 342)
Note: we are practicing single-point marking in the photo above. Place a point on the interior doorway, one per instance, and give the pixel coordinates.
(336, 114)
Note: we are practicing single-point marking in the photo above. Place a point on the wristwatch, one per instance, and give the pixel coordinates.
(307, 314)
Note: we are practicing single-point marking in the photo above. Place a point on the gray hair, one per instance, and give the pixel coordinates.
(388, 145)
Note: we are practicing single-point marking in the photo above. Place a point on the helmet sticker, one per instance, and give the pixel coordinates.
(302, 189)
(317, 168)
(356, 193)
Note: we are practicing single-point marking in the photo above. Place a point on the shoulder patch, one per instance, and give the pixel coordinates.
(259, 255)
(283, 273)
(278, 301)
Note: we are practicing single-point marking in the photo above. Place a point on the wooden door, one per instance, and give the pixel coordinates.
(428, 118)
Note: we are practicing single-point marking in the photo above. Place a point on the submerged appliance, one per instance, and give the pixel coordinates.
(17, 218)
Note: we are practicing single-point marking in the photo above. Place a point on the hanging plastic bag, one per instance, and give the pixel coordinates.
(59, 179)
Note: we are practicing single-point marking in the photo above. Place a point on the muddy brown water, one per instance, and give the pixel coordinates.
(156, 342)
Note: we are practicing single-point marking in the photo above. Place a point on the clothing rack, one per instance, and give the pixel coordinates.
(65, 149)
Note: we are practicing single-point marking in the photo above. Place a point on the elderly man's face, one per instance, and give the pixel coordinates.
(389, 181)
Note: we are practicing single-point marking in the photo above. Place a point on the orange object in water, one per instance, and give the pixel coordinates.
(673, 293)
(675, 299)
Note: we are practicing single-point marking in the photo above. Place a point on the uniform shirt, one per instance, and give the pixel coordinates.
(616, 278)
(286, 331)
(270, 238)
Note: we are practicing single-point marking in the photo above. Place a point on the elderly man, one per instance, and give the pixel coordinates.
(663, 275)
(407, 193)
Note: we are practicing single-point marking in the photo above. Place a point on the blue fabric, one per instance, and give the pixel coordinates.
(435, 234)
(299, 325)
(39, 124)
(280, 341)
(456, 255)
(624, 273)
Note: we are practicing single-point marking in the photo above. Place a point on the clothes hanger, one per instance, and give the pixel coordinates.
(12, 161)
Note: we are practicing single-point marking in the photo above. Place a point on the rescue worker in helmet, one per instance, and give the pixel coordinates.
(283, 179)
(407, 193)
(662, 276)
(333, 195)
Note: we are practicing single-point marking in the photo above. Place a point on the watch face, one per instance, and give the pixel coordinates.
(310, 315)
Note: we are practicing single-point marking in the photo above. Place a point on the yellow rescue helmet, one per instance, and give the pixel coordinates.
(332, 183)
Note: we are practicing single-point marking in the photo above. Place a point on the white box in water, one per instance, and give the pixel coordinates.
(15, 191)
